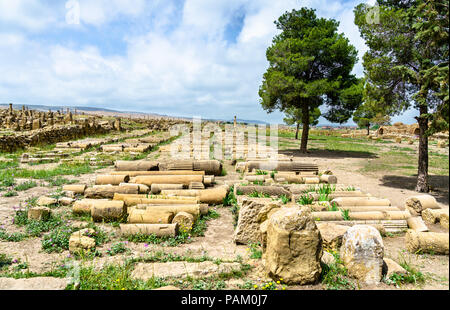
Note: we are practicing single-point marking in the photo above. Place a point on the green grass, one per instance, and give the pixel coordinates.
(284, 199)
(10, 194)
(255, 250)
(325, 189)
(12, 237)
(256, 194)
(5, 261)
(345, 214)
(113, 277)
(335, 276)
(59, 181)
(198, 230)
(305, 200)
(62, 169)
(25, 186)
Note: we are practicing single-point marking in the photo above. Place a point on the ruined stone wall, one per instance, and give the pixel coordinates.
(49, 135)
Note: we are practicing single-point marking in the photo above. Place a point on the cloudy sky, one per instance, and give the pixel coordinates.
(182, 58)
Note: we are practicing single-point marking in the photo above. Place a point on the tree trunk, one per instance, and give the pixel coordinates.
(368, 129)
(296, 131)
(305, 131)
(422, 173)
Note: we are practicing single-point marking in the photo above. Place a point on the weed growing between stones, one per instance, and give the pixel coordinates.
(5, 261)
(113, 277)
(35, 228)
(198, 230)
(116, 248)
(334, 275)
(255, 250)
(345, 214)
(10, 194)
(305, 200)
(25, 186)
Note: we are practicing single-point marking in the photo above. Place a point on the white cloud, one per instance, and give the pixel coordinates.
(179, 63)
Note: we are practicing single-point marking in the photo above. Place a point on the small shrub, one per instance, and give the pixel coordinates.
(255, 251)
(305, 200)
(58, 239)
(116, 248)
(345, 214)
(284, 199)
(10, 194)
(334, 275)
(25, 186)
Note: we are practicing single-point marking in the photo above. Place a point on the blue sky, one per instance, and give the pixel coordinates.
(180, 58)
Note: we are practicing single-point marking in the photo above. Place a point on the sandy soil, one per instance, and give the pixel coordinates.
(218, 242)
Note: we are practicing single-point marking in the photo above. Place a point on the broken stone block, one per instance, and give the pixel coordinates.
(294, 247)
(332, 235)
(390, 267)
(79, 241)
(362, 253)
(39, 213)
(46, 201)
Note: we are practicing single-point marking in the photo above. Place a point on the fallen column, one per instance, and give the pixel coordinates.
(132, 201)
(319, 207)
(427, 242)
(111, 179)
(107, 211)
(159, 230)
(370, 215)
(381, 225)
(138, 165)
(168, 179)
(432, 216)
(210, 196)
(77, 189)
(212, 167)
(416, 223)
(108, 191)
(157, 188)
(141, 188)
(328, 178)
(418, 203)
(270, 190)
(84, 205)
(142, 209)
(361, 201)
(167, 172)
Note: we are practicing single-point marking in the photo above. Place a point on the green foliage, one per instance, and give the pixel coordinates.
(58, 239)
(334, 275)
(116, 248)
(261, 172)
(284, 199)
(257, 194)
(59, 181)
(198, 229)
(114, 277)
(305, 200)
(323, 197)
(10, 194)
(333, 207)
(7, 181)
(310, 65)
(258, 183)
(255, 250)
(325, 189)
(25, 186)
(12, 237)
(5, 261)
(345, 214)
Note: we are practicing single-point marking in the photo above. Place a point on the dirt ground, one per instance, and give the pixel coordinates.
(218, 239)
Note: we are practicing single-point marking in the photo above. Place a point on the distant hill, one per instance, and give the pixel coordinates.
(45, 108)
